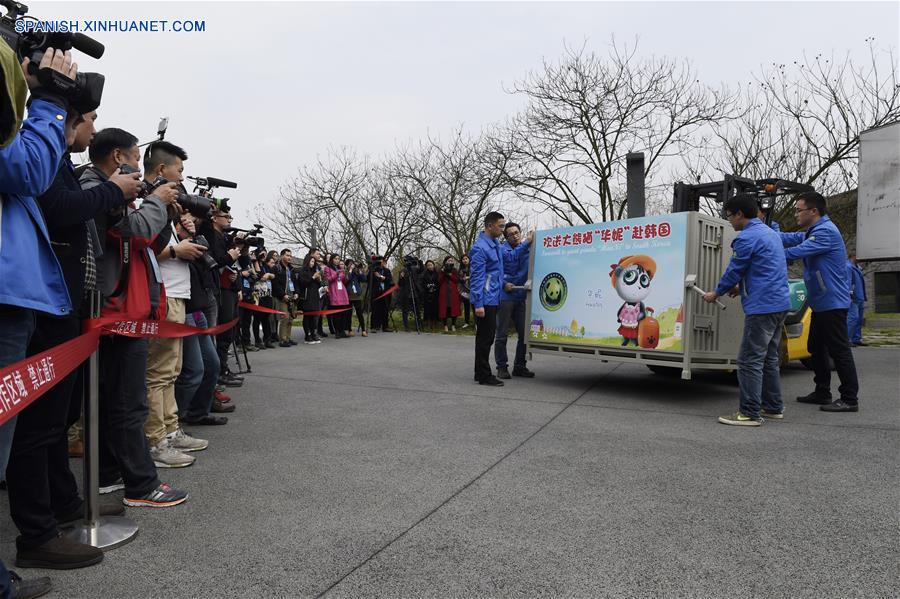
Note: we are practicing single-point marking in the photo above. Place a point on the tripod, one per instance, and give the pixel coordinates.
(411, 277)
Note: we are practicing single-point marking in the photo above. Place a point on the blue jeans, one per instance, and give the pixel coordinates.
(515, 311)
(16, 327)
(758, 364)
(854, 322)
(196, 384)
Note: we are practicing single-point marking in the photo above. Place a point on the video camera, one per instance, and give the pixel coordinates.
(251, 239)
(199, 206)
(29, 38)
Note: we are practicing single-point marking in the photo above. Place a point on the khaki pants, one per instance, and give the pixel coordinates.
(284, 322)
(163, 367)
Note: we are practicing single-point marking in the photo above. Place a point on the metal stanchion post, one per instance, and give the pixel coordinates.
(104, 532)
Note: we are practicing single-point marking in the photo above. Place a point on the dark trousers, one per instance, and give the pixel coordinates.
(828, 336)
(485, 330)
(510, 312)
(41, 486)
(227, 313)
(261, 320)
(16, 327)
(123, 410)
(244, 324)
(360, 316)
(380, 314)
(466, 306)
(311, 324)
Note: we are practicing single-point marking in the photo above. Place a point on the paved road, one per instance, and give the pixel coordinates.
(377, 468)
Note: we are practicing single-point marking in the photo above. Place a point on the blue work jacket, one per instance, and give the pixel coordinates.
(515, 270)
(30, 275)
(486, 272)
(824, 264)
(758, 266)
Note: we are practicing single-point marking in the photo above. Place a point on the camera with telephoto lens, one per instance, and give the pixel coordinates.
(251, 239)
(29, 38)
(199, 206)
(448, 268)
(205, 260)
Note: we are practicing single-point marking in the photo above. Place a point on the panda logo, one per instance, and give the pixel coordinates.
(553, 292)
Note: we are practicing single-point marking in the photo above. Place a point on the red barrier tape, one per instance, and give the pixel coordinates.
(325, 312)
(255, 308)
(27, 380)
(388, 292)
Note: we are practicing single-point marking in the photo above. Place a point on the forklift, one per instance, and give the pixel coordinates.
(687, 198)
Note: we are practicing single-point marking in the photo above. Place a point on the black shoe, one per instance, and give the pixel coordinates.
(109, 509)
(503, 373)
(492, 381)
(235, 376)
(208, 420)
(270, 345)
(59, 553)
(322, 334)
(840, 405)
(292, 342)
(284, 344)
(28, 589)
(229, 382)
(221, 408)
(816, 398)
(861, 344)
(260, 345)
(523, 371)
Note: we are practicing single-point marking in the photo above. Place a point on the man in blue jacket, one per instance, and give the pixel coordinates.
(758, 272)
(857, 301)
(828, 289)
(486, 281)
(28, 163)
(515, 254)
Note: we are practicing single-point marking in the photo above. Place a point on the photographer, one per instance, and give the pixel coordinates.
(28, 163)
(430, 286)
(196, 385)
(248, 277)
(130, 291)
(225, 254)
(38, 474)
(285, 296)
(409, 294)
(356, 278)
(262, 296)
(380, 280)
(448, 294)
(168, 441)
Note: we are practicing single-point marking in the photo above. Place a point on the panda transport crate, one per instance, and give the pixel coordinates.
(627, 291)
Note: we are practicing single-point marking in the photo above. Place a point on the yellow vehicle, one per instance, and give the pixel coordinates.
(796, 326)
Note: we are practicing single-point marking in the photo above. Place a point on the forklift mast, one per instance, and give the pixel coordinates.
(687, 196)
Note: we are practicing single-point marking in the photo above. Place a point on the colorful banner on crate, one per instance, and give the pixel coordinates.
(614, 284)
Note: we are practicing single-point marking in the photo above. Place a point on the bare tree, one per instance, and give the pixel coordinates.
(802, 122)
(454, 183)
(566, 151)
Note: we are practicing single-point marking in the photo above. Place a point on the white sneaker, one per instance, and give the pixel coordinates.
(166, 457)
(182, 441)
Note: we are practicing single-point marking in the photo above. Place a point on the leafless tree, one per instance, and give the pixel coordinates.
(455, 184)
(801, 121)
(566, 150)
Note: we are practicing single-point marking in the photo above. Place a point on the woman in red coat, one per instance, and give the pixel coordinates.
(448, 295)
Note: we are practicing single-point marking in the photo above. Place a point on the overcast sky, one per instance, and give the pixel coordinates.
(268, 86)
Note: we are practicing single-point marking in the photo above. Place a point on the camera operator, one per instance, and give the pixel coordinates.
(285, 294)
(448, 295)
(131, 290)
(248, 278)
(410, 292)
(262, 296)
(356, 277)
(225, 254)
(196, 384)
(381, 280)
(28, 163)
(168, 442)
(38, 474)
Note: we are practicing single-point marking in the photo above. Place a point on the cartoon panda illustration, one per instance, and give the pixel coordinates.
(631, 278)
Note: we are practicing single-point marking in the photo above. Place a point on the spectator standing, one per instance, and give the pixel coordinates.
(336, 277)
(285, 294)
(309, 283)
(355, 280)
(448, 294)
(380, 281)
(430, 290)
(464, 276)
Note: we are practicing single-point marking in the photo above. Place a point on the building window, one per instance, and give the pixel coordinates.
(887, 292)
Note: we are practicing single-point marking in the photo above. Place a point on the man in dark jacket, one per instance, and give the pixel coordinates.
(381, 280)
(285, 295)
(42, 490)
(130, 290)
(825, 273)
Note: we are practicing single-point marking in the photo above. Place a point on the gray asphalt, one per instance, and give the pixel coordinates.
(377, 468)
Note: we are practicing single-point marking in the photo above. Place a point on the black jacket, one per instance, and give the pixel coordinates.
(279, 283)
(309, 289)
(69, 212)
